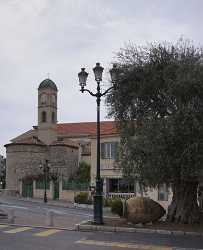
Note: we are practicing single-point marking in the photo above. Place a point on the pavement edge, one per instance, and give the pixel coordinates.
(84, 226)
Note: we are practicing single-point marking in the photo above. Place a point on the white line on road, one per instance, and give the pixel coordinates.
(17, 230)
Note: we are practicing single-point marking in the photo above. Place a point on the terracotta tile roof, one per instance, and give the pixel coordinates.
(87, 128)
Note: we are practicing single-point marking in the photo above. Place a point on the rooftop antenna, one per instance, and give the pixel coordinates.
(48, 75)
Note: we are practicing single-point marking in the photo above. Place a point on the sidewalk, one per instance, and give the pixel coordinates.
(59, 203)
(160, 227)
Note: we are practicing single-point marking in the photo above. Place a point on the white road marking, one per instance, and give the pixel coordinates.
(47, 232)
(17, 230)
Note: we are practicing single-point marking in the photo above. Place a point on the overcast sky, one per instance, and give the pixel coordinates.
(61, 36)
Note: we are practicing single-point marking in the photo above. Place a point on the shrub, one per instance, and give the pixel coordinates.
(82, 198)
(83, 173)
(117, 206)
(108, 201)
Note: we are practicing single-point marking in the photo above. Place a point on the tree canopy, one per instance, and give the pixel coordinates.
(83, 173)
(158, 104)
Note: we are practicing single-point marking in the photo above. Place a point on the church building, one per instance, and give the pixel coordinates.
(59, 145)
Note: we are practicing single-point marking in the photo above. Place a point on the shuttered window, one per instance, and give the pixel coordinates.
(109, 150)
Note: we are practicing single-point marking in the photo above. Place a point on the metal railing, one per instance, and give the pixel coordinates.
(120, 195)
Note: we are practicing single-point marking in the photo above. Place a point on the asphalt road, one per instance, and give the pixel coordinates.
(34, 213)
(32, 238)
(42, 239)
(40, 207)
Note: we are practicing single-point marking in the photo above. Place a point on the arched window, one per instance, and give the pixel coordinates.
(44, 116)
(53, 117)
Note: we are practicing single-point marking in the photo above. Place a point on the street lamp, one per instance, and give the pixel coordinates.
(45, 168)
(82, 75)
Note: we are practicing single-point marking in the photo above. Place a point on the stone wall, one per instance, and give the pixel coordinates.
(68, 195)
(22, 161)
(25, 161)
(64, 160)
(39, 193)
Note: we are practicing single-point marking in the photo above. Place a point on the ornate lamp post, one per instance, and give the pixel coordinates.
(98, 70)
(45, 168)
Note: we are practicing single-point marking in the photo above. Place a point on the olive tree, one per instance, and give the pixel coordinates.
(158, 104)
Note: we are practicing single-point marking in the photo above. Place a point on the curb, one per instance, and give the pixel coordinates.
(85, 227)
(43, 227)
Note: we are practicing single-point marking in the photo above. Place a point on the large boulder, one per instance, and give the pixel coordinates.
(143, 210)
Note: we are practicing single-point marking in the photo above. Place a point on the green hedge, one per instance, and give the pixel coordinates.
(82, 198)
(117, 206)
(107, 202)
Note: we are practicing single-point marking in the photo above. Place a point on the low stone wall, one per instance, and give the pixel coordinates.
(68, 195)
(9, 192)
(39, 193)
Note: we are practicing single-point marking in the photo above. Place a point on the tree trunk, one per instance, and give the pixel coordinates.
(184, 207)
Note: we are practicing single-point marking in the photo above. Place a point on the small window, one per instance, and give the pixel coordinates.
(44, 116)
(53, 117)
(163, 192)
(109, 150)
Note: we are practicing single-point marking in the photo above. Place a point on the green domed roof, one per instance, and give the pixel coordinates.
(47, 83)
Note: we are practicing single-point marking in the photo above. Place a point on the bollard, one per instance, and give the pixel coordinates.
(11, 216)
(49, 220)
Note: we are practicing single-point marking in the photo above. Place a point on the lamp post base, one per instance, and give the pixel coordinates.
(45, 199)
(98, 209)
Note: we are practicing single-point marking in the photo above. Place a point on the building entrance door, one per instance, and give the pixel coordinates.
(27, 188)
(56, 190)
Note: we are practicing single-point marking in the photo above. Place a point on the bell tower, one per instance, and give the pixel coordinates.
(47, 111)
